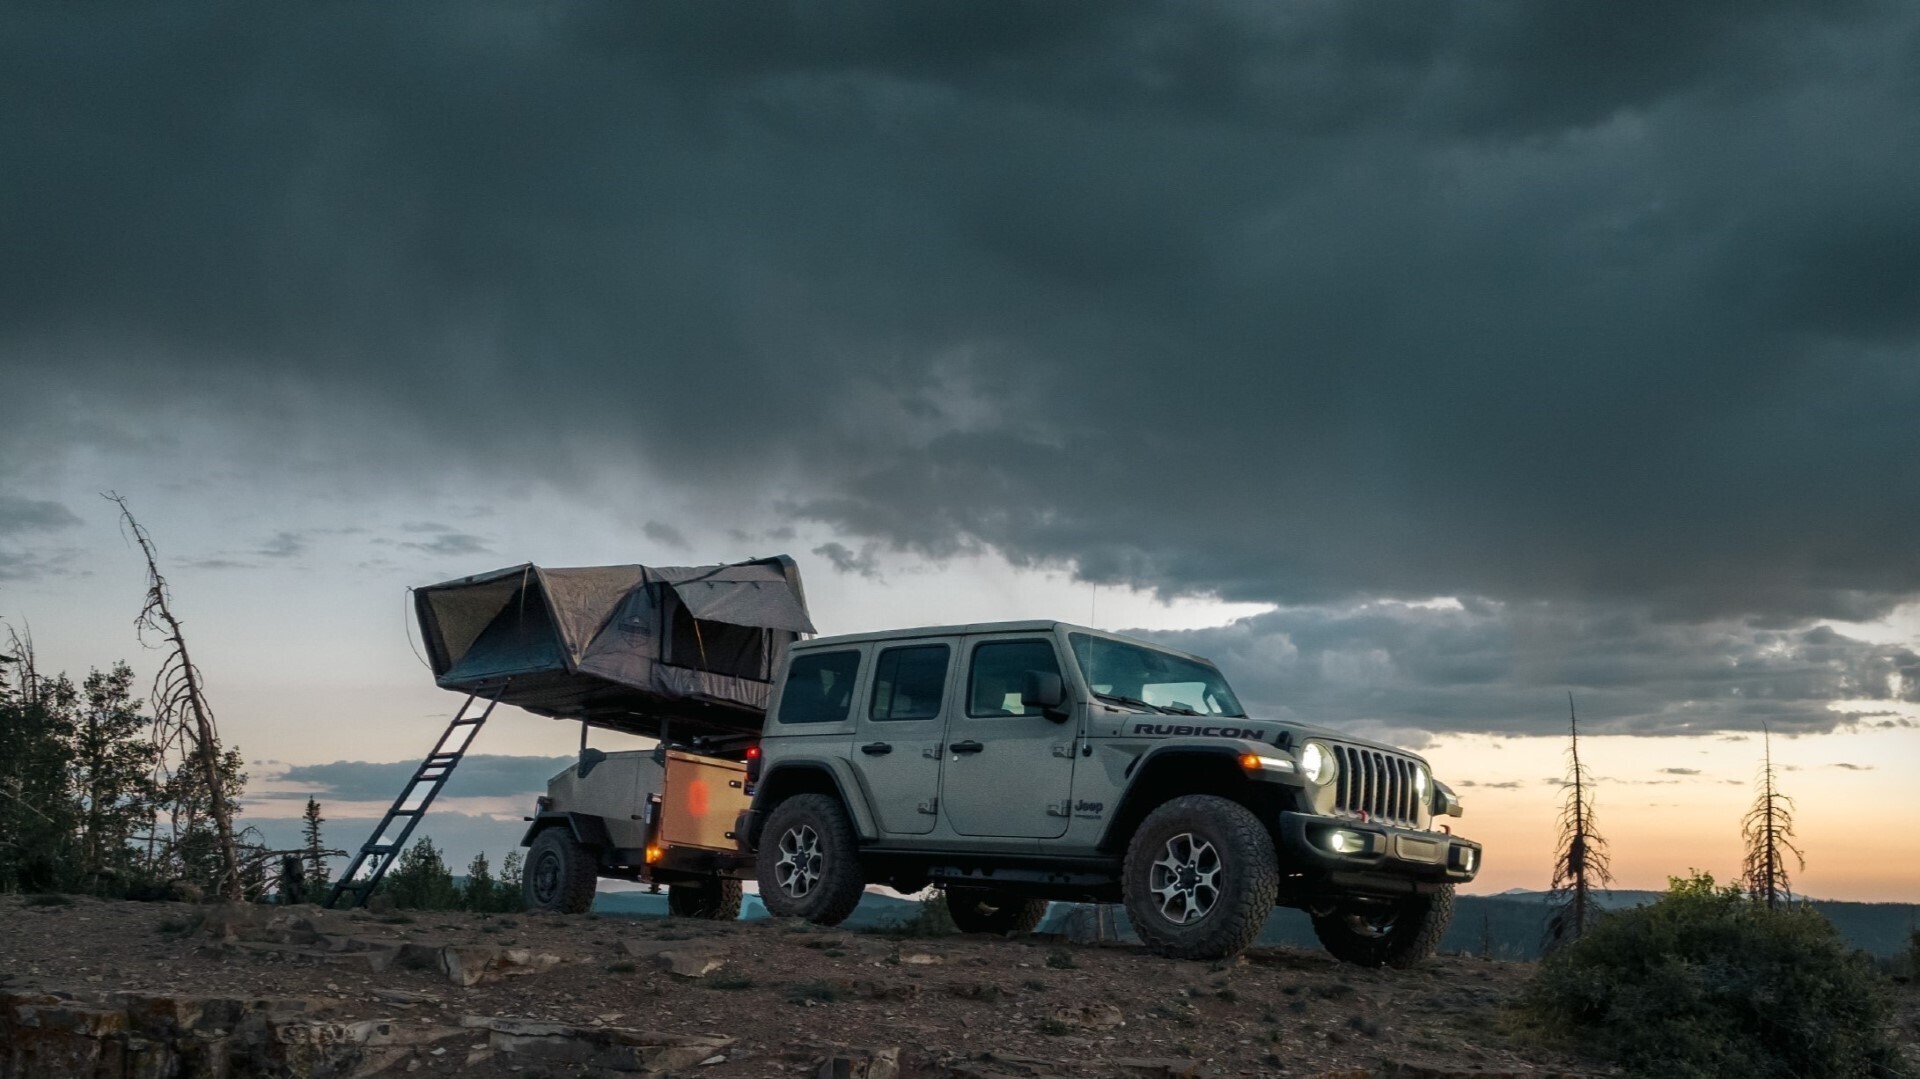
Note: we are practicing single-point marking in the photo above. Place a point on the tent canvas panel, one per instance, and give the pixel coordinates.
(620, 646)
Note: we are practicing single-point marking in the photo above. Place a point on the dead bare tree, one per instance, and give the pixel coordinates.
(1768, 830)
(1582, 865)
(183, 724)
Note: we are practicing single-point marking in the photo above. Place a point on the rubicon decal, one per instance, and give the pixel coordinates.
(1187, 731)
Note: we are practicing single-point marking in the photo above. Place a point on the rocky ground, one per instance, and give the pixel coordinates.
(144, 987)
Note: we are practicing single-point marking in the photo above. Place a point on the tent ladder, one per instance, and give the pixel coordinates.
(380, 851)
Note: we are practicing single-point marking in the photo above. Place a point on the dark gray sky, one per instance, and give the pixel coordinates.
(1600, 320)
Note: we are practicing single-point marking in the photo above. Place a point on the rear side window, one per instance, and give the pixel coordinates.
(908, 682)
(819, 687)
(1000, 672)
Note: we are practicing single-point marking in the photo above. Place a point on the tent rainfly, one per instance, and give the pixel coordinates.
(625, 647)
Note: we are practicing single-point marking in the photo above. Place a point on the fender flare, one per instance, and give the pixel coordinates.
(587, 829)
(845, 783)
(1128, 808)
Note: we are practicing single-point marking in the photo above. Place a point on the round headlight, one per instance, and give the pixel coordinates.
(1316, 763)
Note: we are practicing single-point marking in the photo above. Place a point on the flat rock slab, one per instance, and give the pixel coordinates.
(861, 1064)
(622, 1049)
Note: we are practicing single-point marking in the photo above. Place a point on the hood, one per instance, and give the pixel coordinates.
(1301, 732)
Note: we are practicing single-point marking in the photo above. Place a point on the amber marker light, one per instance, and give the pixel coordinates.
(654, 854)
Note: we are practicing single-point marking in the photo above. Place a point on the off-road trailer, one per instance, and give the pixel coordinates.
(683, 655)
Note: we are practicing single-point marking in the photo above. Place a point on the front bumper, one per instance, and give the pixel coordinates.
(1374, 854)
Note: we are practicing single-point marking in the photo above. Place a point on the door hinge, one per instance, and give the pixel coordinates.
(1059, 809)
(931, 805)
(931, 752)
(1063, 749)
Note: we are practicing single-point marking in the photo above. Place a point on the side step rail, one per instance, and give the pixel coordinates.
(383, 847)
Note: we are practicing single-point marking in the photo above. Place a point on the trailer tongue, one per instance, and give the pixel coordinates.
(682, 654)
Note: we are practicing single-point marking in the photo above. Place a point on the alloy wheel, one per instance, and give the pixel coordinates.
(798, 868)
(1185, 880)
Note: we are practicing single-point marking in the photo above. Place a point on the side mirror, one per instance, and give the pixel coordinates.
(588, 759)
(1044, 690)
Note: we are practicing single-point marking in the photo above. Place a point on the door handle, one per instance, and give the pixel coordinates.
(875, 749)
(968, 746)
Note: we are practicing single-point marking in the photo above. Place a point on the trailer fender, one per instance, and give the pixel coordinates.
(587, 829)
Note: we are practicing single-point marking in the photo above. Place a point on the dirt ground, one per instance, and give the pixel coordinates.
(790, 995)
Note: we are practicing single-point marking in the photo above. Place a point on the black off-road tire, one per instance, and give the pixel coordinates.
(985, 910)
(560, 874)
(1245, 881)
(716, 899)
(809, 834)
(1400, 935)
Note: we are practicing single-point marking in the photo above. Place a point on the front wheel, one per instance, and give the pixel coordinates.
(716, 899)
(984, 910)
(1396, 934)
(560, 874)
(808, 862)
(1200, 878)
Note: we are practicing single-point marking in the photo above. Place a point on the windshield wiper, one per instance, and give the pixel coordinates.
(1167, 710)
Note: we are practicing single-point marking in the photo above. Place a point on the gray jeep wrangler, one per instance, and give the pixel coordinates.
(1015, 763)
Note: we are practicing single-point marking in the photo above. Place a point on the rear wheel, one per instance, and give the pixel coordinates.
(1200, 878)
(1396, 934)
(560, 873)
(984, 910)
(715, 899)
(808, 862)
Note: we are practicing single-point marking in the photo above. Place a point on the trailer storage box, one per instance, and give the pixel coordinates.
(632, 648)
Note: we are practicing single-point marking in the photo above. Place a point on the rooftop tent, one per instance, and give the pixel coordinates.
(626, 647)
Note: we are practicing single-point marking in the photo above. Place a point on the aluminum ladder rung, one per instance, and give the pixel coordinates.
(430, 777)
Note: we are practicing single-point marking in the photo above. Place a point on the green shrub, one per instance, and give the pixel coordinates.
(1705, 983)
(1061, 959)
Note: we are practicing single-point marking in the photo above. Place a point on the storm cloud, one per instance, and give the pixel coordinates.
(1601, 318)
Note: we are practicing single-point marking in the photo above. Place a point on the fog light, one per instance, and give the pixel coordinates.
(1344, 842)
(1468, 857)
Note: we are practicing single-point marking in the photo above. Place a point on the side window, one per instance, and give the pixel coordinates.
(1000, 671)
(819, 687)
(908, 682)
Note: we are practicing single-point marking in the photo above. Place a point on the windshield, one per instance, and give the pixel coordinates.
(1131, 674)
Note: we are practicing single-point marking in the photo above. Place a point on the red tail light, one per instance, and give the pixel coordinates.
(753, 763)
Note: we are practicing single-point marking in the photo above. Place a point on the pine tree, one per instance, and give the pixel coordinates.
(420, 879)
(507, 896)
(1768, 831)
(37, 803)
(1582, 866)
(317, 872)
(478, 895)
(113, 764)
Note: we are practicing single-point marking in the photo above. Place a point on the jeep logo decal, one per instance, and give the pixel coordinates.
(1188, 731)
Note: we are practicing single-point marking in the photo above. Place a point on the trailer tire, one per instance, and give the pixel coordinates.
(560, 873)
(986, 910)
(716, 899)
(809, 861)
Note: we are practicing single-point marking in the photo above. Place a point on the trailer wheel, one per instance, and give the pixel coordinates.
(716, 899)
(985, 910)
(560, 873)
(808, 865)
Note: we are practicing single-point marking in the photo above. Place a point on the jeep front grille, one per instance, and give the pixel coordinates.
(1378, 784)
